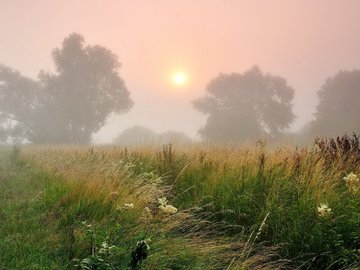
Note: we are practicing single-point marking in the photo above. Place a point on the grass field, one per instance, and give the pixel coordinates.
(194, 207)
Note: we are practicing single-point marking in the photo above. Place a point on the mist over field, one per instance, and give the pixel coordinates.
(177, 135)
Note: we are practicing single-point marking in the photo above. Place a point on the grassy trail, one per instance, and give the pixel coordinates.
(27, 236)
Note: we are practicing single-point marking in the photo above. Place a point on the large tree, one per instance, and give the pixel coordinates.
(20, 98)
(339, 105)
(67, 106)
(246, 106)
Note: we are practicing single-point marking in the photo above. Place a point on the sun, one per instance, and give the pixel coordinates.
(179, 78)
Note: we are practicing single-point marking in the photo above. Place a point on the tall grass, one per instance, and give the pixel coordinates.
(99, 186)
(27, 239)
(237, 205)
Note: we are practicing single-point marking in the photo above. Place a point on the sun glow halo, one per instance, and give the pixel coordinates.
(180, 78)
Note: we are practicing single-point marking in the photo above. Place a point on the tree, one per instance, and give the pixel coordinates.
(136, 135)
(19, 99)
(246, 106)
(67, 106)
(145, 136)
(339, 105)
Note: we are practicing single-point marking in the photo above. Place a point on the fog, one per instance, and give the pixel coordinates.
(305, 42)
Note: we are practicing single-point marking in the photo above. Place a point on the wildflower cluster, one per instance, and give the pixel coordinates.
(86, 225)
(100, 256)
(125, 206)
(352, 182)
(152, 176)
(166, 208)
(105, 249)
(128, 206)
(163, 201)
(324, 210)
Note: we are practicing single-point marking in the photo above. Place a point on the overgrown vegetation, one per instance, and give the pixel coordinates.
(195, 208)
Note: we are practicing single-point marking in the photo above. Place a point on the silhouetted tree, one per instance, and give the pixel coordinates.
(246, 106)
(339, 105)
(20, 97)
(142, 135)
(136, 135)
(67, 106)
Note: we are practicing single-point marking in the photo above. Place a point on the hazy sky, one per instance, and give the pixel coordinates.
(304, 41)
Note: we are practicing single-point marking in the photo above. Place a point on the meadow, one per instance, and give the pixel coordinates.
(181, 207)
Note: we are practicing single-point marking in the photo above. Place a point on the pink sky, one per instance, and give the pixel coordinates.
(304, 41)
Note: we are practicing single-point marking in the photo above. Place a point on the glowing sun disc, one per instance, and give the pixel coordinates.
(179, 78)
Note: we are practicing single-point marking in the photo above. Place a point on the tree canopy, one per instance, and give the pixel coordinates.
(138, 135)
(135, 135)
(339, 105)
(66, 106)
(246, 106)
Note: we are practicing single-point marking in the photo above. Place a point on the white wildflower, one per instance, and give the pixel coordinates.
(104, 249)
(105, 245)
(324, 210)
(168, 209)
(128, 206)
(86, 224)
(163, 201)
(352, 182)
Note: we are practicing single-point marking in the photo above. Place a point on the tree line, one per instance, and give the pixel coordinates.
(69, 105)
(66, 106)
